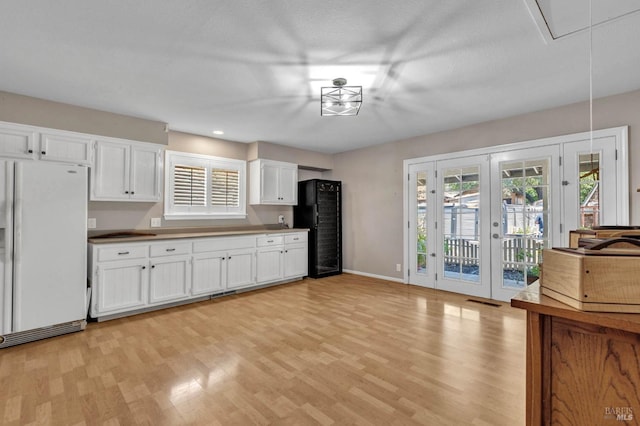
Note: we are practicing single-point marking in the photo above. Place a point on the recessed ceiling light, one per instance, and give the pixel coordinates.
(218, 132)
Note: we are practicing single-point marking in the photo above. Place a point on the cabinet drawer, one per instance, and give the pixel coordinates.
(296, 238)
(170, 249)
(270, 240)
(222, 244)
(122, 252)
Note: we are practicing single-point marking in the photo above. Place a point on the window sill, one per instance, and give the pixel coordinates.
(204, 216)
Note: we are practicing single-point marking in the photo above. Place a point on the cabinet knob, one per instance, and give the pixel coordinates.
(126, 192)
(223, 258)
(229, 257)
(30, 151)
(144, 267)
(43, 152)
(153, 266)
(132, 192)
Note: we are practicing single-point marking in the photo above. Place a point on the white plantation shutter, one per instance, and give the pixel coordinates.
(201, 187)
(190, 186)
(225, 188)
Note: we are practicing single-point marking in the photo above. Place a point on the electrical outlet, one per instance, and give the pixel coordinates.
(156, 222)
(91, 223)
(281, 218)
(398, 267)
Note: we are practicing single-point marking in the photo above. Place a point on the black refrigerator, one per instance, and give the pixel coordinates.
(319, 209)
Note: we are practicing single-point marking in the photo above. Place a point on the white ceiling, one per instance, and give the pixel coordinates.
(248, 66)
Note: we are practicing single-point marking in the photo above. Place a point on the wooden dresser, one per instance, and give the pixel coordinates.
(583, 368)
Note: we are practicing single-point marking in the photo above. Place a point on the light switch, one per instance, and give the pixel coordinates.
(91, 223)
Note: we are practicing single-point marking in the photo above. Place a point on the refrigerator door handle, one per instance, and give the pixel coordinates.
(17, 247)
(7, 310)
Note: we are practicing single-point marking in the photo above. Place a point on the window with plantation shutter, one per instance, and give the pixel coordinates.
(225, 190)
(189, 186)
(204, 187)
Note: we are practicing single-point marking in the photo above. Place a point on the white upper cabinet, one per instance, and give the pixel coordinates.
(146, 173)
(65, 148)
(32, 143)
(17, 142)
(126, 172)
(273, 182)
(121, 170)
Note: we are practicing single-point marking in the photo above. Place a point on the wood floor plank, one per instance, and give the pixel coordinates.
(343, 350)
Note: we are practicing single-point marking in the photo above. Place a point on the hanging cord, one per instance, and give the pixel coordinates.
(591, 79)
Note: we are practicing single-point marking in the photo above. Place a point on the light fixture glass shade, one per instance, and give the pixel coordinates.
(340, 100)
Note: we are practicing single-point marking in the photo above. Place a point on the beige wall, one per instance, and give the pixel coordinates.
(373, 177)
(302, 157)
(39, 112)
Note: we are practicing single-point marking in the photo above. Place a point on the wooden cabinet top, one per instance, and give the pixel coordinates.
(533, 300)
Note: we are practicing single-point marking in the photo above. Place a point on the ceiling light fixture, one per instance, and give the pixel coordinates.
(218, 132)
(340, 99)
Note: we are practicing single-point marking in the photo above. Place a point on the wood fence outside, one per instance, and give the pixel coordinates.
(515, 251)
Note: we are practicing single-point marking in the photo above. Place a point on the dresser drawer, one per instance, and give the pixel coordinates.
(106, 254)
(301, 237)
(270, 240)
(222, 244)
(170, 249)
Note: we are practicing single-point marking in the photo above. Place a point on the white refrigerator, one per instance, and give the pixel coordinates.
(43, 240)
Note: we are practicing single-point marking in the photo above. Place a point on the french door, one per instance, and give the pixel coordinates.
(463, 194)
(525, 215)
(422, 223)
(477, 224)
(592, 184)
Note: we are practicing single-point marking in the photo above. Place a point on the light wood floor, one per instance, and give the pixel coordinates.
(342, 350)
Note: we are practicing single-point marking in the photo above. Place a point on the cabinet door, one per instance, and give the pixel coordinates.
(269, 264)
(145, 173)
(63, 148)
(170, 279)
(295, 261)
(240, 268)
(110, 175)
(289, 185)
(17, 143)
(209, 273)
(269, 184)
(120, 286)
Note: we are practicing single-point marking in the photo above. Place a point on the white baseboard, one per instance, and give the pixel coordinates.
(380, 277)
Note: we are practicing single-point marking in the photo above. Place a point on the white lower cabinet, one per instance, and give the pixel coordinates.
(119, 286)
(269, 264)
(170, 279)
(241, 268)
(129, 277)
(281, 257)
(209, 273)
(295, 261)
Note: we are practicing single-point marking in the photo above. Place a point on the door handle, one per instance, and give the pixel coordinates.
(496, 236)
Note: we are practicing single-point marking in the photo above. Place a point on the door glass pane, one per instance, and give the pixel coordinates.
(421, 222)
(461, 226)
(525, 212)
(589, 190)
